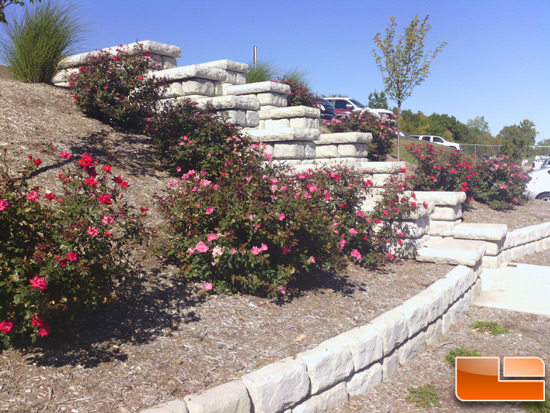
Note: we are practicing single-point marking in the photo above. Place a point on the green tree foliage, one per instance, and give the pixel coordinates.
(378, 100)
(404, 64)
(479, 130)
(6, 3)
(35, 45)
(517, 140)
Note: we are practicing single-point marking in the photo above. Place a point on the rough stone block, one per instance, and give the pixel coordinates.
(252, 118)
(390, 365)
(413, 229)
(380, 180)
(364, 380)
(169, 62)
(296, 112)
(442, 197)
(435, 330)
(234, 116)
(327, 364)
(277, 123)
(234, 102)
(286, 134)
(462, 277)
(173, 90)
(352, 150)
(277, 386)
(412, 348)
(443, 228)
(271, 99)
(493, 248)
(345, 137)
(174, 406)
(452, 251)
(310, 150)
(485, 232)
(289, 150)
(444, 289)
(327, 151)
(365, 344)
(201, 87)
(303, 123)
(227, 397)
(382, 167)
(447, 213)
(492, 261)
(393, 329)
(326, 401)
(417, 314)
(259, 87)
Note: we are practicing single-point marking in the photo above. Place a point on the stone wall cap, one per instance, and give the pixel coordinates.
(190, 72)
(344, 137)
(295, 112)
(442, 197)
(226, 64)
(230, 102)
(285, 134)
(258, 87)
(486, 232)
(149, 46)
(382, 167)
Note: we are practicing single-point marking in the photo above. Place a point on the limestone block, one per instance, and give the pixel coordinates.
(228, 65)
(447, 213)
(546, 243)
(352, 150)
(174, 406)
(296, 112)
(259, 87)
(421, 211)
(326, 401)
(510, 240)
(201, 87)
(421, 310)
(261, 125)
(364, 380)
(172, 90)
(310, 150)
(443, 228)
(476, 290)
(271, 99)
(493, 248)
(485, 232)
(365, 344)
(380, 180)
(506, 256)
(346, 137)
(304, 123)
(289, 150)
(269, 148)
(286, 134)
(227, 397)
(393, 329)
(234, 116)
(382, 167)
(277, 123)
(168, 62)
(435, 330)
(191, 72)
(234, 102)
(409, 247)
(265, 112)
(412, 348)
(412, 229)
(327, 364)
(462, 277)
(492, 261)
(327, 151)
(442, 197)
(539, 246)
(390, 365)
(443, 288)
(453, 313)
(252, 118)
(277, 386)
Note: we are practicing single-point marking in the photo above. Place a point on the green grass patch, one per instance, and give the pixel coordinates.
(460, 352)
(406, 155)
(423, 396)
(490, 327)
(538, 407)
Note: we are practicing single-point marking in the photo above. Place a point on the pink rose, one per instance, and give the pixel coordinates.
(39, 282)
(255, 250)
(208, 286)
(4, 204)
(356, 254)
(202, 247)
(281, 217)
(6, 326)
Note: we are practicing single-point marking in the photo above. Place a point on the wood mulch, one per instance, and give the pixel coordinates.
(164, 339)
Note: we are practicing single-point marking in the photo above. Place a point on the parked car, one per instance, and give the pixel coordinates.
(327, 110)
(345, 107)
(438, 140)
(539, 185)
(541, 162)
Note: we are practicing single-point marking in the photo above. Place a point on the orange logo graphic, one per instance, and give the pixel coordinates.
(478, 379)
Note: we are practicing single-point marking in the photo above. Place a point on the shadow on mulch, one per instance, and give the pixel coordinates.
(150, 306)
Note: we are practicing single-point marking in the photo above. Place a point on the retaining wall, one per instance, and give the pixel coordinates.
(348, 364)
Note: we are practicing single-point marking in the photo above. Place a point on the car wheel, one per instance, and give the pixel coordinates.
(545, 196)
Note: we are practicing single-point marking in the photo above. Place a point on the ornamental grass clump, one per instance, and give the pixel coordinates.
(383, 133)
(61, 253)
(35, 45)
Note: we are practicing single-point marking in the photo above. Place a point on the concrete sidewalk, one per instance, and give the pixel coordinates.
(518, 287)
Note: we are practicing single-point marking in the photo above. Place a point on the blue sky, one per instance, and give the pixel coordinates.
(496, 63)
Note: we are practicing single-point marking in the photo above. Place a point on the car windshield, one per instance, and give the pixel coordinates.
(357, 103)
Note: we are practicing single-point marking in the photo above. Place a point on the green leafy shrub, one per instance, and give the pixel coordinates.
(35, 45)
(383, 133)
(423, 396)
(460, 352)
(538, 407)
(115, 88)
(490, 326)
(61, 253)
(300, 95)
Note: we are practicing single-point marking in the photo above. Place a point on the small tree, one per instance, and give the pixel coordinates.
(518, 140)
(404, 65)
(377, 100)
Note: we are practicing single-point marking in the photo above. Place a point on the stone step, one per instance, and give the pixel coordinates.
(484, 232)
(284, 134)
(452, 251)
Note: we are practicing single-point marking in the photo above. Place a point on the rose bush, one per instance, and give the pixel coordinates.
(497, 182)
(300, 95)
(383, 134)
(61, 253)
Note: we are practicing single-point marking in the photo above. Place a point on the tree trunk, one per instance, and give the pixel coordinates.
(398, 131)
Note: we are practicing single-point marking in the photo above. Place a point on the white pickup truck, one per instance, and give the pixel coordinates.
(438, 140)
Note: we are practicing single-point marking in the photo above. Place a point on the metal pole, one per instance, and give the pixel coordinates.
(255, 56)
